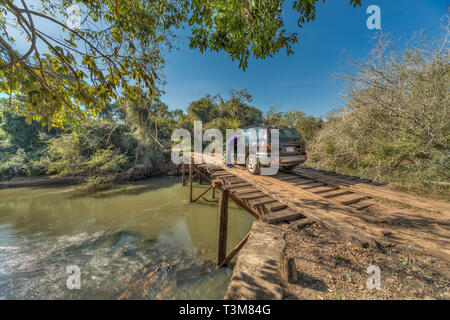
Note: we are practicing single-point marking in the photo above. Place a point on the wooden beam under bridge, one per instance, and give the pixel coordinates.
(223, 226)
(226, 192)
(222, 258)
(198, 173)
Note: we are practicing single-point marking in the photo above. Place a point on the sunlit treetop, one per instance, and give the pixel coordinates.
(117, 46)
(247, 27)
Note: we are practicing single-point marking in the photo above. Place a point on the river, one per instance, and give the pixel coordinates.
(141, 240)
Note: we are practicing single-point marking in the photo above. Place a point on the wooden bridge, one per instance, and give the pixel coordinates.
(340, 203)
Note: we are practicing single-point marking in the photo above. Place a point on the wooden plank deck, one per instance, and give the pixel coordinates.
(314, 196)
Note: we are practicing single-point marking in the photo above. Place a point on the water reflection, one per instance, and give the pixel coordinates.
(138, 241)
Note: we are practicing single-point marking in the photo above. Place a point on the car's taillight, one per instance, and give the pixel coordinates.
(264, 146)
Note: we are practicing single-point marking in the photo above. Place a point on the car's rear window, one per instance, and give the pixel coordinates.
(288, 133)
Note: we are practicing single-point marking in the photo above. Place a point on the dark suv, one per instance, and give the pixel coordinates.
(291, 148)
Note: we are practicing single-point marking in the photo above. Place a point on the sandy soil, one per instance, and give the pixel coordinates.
(329, 268)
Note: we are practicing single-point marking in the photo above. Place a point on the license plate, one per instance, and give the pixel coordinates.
(289, 149)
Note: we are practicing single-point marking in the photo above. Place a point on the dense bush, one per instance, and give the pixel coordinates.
(96, 147)
(396, 122)
(21, 145)
(100, 147)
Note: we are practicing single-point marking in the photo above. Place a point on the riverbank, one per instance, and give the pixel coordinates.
(23, 182)
(329, 268)
(256, 274)
(134, 174)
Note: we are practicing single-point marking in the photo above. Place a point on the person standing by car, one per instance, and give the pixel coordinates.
(231, 145)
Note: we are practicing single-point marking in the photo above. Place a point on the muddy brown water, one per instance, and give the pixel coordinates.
(137, 241)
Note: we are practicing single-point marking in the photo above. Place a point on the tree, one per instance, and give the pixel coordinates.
(112, 112)
(396, 120)
(21, 134)
(119, 46)
(204, 109)
(287, 118)
(67, 78)
(237, 112)
(152, 123)
(309, 126)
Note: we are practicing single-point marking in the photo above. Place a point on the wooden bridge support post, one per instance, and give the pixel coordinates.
(288, 269)
(190, 181)
(182, 173)
(223, 226)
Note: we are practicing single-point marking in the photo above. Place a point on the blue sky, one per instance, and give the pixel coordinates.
(303, 80)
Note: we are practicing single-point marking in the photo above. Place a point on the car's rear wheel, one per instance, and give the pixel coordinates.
(252, 164)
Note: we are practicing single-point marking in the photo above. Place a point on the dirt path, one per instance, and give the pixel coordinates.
(329, 268)
(379, 224)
